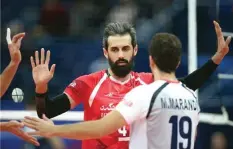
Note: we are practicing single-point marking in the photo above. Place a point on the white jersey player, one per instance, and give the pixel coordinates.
(161, 115)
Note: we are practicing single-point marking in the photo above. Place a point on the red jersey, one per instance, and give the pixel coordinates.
(100, 93)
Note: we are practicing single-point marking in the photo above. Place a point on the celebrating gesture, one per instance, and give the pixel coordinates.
(14, 46)
(223, 45)
(40, 69)
(15, 54)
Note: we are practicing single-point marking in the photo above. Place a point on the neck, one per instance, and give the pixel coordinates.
(158, 75)
(118, 78)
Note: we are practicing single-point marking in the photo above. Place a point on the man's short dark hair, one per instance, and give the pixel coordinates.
(119, 28)
(165, 50)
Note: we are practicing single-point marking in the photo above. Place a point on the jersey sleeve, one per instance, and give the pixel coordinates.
(80, 89)
(132, 107)
(197, 78)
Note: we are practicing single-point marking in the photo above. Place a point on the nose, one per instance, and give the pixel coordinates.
(121, 54)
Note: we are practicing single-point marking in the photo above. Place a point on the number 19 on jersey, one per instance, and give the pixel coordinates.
(182, 128)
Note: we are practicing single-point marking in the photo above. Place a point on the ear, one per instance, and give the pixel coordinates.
(178, 65)
(151, 61)
(105, 53)
(135, 50)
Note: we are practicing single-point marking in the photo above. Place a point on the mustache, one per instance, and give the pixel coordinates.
(122, 61)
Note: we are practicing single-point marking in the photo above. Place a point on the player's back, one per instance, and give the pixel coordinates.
(171, 117)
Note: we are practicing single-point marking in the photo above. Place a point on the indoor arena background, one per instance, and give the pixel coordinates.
(73, 30)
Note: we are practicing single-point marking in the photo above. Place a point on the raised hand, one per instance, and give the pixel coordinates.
(15, 127)
(40, 68)
(14, 46)
(223, 45)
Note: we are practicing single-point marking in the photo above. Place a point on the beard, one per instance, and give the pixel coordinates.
(121, 70)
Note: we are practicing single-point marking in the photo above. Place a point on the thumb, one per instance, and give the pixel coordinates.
(52, 70)
(45, 118)
(228, 40)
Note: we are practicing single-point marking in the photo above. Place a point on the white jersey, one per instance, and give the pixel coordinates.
(162, 115)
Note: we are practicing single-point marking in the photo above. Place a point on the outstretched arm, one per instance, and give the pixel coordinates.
(15, 127)
(8, 74)
(125, 113)
(196, 79)
(80, 131)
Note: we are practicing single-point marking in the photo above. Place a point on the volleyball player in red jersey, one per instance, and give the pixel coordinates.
(101, 91)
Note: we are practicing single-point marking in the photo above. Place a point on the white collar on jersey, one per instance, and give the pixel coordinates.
(119, 82)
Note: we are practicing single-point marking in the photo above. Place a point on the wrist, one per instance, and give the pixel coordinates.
(14, 64)
(54, 131)
(218, 57)
(41, 88)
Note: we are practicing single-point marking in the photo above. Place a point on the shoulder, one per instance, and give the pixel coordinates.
(137, 92)
(91, 78)
(144, 76)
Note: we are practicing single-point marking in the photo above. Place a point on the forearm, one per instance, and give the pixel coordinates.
(7, 76)
(197, 78)
(40, 98)
(79, 131)
(51, 107)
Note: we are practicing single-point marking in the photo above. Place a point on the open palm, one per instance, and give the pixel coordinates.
(40, 68)
(223, 45)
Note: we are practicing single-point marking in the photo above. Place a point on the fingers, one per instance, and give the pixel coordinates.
(27, 137)
(37, 58)
(32, 119)
(31, 140)
(52, 70)
(15, 124)
(42, 56)
(34, 133)
(28, 124)
(47, 58)
(18, 43)
(31, 122)
(218, 31)
(8, 36)
(44, 59)
(34, 141)
(32, 62)
(17, 37)
(45, 118)
(228, 40)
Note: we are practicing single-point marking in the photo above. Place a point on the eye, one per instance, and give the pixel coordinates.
(126, 48)
(114, 49)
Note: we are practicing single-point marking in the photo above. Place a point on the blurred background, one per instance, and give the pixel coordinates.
(73, 30)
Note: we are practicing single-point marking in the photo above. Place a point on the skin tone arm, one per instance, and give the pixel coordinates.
(8, 74)
(6, 77)
(15, 127)
(80, 131)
